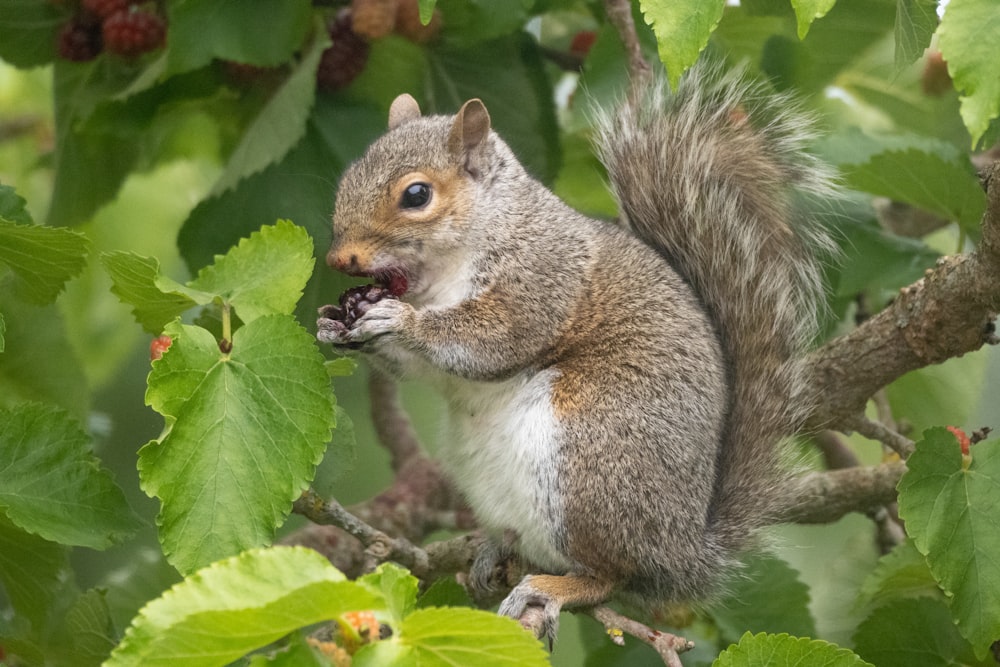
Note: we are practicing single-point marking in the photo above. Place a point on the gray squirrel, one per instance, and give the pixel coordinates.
(616, 393)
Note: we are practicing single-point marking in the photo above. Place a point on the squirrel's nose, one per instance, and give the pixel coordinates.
(345, 262)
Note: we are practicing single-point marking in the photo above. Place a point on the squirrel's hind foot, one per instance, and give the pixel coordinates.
(534, 608)
(538, 599)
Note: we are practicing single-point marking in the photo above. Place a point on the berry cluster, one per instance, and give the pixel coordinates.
(347, 56)
(126, 28)
(352, 28)
(354, 303)
(335, 321)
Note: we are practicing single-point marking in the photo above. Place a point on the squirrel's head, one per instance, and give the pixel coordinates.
(403, 209)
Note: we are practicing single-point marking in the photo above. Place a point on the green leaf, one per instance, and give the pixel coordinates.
(950, 506)
(767, 597)
(244, 433)
(426, 10)
(972, 59)
(28, 31)
(902, 572)
(845, 34)
(80, 188)
(264, 274)
(32, 571)
(39, 363)
(13, 207)
(137, 281)
(470, 22)
(875, 260)
(916, 21)
(340, 367)
(947, 187)
(397, 586)
(3, 330)
(807, 11)
(682, 30)
(941, 393)
(911, 633)
(445, 637)
(52, 486)
(258, 32)
(785, 651)
(43, 258)
(884, 91)
(234, 606)
(445, 592)
(89, 626)
(281, 122)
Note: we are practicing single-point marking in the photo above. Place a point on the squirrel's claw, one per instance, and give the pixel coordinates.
(534, 608)
(386, 316)
(332, 331)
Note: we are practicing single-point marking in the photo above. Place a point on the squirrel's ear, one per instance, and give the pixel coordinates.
(468, 133)
(404, 108)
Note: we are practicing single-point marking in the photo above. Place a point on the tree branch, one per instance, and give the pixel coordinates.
(945, 314)
(824, 497)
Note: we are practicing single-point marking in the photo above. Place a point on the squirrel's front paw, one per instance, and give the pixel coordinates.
(385, 317)
(536, 609)
(331, 329)
(337, 327)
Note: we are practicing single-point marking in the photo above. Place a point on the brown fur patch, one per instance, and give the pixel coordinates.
(573, 590)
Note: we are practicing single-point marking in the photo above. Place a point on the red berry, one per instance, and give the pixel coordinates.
(582, 41)
(79, 40)
(963, 440)
(105, 8)
(158, 346)
(362, 621)
(134, 31)
(345, 59)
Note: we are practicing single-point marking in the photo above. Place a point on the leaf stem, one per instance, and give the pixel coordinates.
(226, 344)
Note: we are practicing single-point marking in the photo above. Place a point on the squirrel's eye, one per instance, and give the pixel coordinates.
(415, 196)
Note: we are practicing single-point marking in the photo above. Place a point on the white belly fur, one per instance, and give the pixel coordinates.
(501, 435)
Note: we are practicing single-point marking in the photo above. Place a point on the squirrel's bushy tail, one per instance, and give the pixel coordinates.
(707, 175)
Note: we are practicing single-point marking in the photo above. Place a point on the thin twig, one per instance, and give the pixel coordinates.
(876, 431)
(379, 547)
(620, 16)
(667, 646)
